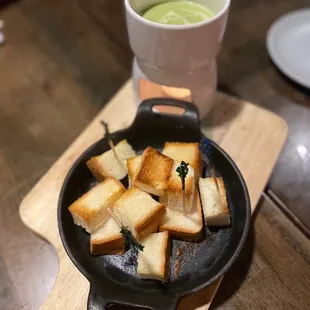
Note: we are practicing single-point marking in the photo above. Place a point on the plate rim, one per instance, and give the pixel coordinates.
(272, 33)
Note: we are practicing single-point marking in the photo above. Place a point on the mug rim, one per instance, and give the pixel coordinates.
(131, 11)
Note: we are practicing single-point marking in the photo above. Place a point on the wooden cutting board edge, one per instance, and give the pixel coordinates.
(46, 191)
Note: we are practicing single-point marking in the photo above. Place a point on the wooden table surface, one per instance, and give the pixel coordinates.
(63, 60)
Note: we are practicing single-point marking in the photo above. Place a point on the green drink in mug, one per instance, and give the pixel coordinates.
(179, 12)
(177, 52)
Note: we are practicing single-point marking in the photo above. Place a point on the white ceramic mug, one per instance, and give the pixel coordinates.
(178, 55)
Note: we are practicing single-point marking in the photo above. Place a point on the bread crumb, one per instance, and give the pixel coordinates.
(177, 267)
(180, 252)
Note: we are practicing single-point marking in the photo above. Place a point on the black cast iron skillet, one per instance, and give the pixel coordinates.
(113, 278)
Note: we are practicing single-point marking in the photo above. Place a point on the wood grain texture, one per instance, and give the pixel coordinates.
(273, 268)
(57, 69)
(61, 63)
(246, 70)
(234, 134)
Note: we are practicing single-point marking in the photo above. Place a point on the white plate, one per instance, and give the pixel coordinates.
(288, 43)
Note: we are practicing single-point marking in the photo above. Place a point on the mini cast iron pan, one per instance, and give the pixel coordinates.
(113, 278)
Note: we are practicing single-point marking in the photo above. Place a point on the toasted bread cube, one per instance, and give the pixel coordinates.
(108, 165)
(107, 239)
(139, 211)
(154, 173)
(153, 261)
(214, 203)
(188, 152)
(90, 210)
(133, 166)
(181, 225)
(174, 199)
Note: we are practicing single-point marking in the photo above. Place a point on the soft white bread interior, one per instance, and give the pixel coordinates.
(154, 173)
(188, 152)
(174, 199)
(133, 166)
(214, 203)
(153, 261)
(90, 210)
(108, 165)
(107, 239)
(181, 225)
(139, 211)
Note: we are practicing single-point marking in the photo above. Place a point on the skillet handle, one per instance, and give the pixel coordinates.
(99, 298)
(165, 304)
(190, 110)
(95, 299)
(146, 117)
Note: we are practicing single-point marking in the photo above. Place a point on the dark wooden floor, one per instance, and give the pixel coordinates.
(62, 61)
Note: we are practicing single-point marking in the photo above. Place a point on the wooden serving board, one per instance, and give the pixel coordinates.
(252, 136)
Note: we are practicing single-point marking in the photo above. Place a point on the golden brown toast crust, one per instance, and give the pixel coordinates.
(152, 162)
(156, 215)
(183, 235)
(130, 169)
(147, 224)
(163, 253)
(175, 186)
(196, 161)
(128, 192)
(96, 169)
(182, 232)
(113, 246)
(87, 214)
(222, 189)
(166, 264)
(133, 166)
(151, 228)
(152, 222)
